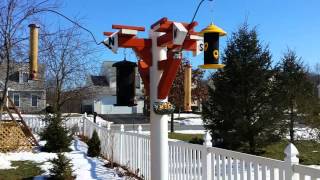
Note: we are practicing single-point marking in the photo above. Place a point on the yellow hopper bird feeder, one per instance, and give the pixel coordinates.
(211, 36)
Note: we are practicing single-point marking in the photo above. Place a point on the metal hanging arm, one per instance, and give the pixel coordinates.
(196, 12)
(72, 21)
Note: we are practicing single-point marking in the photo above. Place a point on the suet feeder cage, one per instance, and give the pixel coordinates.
(126, 86)
(211, 36)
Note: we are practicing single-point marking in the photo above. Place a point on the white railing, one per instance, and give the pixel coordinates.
(191, 161)
(125, 148)
(36, 123)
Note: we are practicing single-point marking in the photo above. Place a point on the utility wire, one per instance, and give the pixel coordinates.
(72, 21)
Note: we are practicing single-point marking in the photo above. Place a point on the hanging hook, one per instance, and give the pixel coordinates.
(125, 54)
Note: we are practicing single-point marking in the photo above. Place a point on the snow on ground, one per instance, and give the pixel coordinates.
(188, 119)
(305, 133)
(4, 162)
(191, 131)
(85, 168)
(99, 120)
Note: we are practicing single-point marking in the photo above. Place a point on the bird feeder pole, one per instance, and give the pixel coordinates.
(159, 57)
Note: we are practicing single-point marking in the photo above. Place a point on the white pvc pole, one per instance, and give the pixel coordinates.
(159, 123)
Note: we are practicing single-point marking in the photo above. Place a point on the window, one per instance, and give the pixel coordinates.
(34, 100)
(16, 99)
(25, 77)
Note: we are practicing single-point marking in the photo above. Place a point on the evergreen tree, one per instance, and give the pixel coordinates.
(240, 109)
(61, 169)
(57, 136)
(94, 145)
(295, 91)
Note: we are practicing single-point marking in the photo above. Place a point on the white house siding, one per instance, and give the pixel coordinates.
(106, 106)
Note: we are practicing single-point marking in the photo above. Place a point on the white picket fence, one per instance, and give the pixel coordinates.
(190, 161)
(36, 123)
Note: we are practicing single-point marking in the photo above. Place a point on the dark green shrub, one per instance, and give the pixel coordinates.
(57, 136)
(62, 168)
(94, 145)
(49, 109)
(196, 140)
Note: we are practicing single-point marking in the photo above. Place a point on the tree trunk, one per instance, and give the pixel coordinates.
(291, 125)
(252, 145)
(1, 109)
(172, 123)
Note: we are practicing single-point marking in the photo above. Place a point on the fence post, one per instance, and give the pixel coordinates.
(291, 159)
(109, 126)
(121, 144)
(84, 123)
(139, 149)
(206, 157)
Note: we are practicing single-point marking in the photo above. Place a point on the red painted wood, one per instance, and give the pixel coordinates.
(165, 39)
(131, 42)
(143, 69)
(107, 33)
(138, 28)
(160, 21)
(167, 78)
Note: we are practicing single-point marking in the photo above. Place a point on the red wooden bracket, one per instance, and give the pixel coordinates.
(142, 48)
(144, 69)
(170, 67)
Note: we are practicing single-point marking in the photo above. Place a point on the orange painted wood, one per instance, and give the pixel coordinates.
(162, 64)
(191, 25)
(132, 42)
(165, 39)
(138, 28)
(143, 69)
(107, 33)
(167, 78)
(160, 21)
(194, 33)
(145, 54)
(165, 27)
(190, 45)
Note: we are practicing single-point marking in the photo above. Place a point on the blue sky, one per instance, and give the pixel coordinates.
(281, 24)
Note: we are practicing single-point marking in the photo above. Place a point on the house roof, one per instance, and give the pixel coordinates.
(99, 81)
(14, 83)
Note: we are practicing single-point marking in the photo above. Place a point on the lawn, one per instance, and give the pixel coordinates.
(309, 151)
(25, 170)
(185, 137)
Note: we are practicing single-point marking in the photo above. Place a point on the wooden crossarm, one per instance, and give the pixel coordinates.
(137, 28)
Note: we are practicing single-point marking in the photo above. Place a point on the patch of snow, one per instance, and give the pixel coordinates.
(186, 115)
(99, 120)
(192, 121)
(305, 133)
(314, 166)
(191, 131)
(188, 119)
(4, 162)
(84, 167)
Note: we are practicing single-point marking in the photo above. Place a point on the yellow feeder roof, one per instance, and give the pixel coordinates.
(213, 29)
